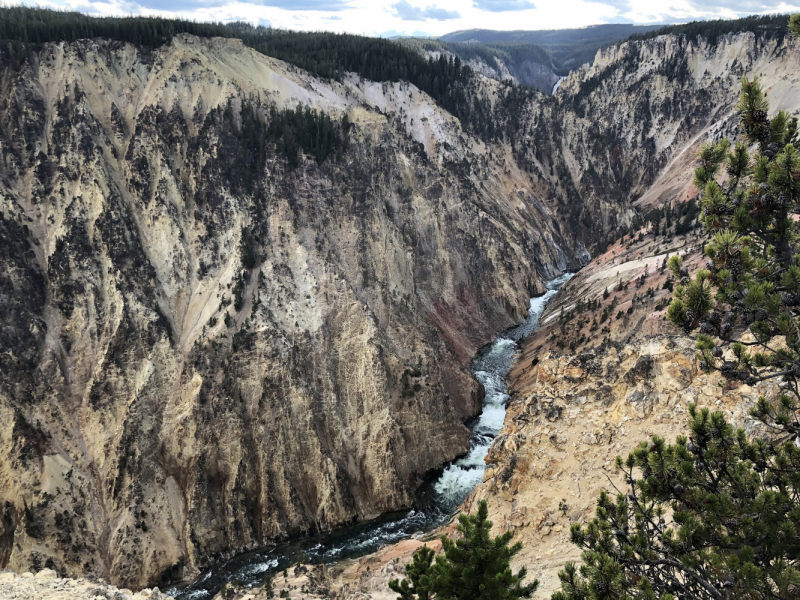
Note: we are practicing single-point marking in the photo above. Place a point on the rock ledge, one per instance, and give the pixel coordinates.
(47, 585)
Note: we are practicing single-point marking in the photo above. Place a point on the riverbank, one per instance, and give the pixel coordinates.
(436, 501)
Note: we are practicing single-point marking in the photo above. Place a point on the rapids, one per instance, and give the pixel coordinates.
(436, 501)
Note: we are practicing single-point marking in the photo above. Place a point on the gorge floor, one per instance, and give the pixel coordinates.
(436, 501)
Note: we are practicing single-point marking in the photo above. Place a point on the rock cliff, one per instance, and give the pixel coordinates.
(606, 370)
(570, 416)
(204, 349)
(629, 374)
(46, 585)
(622, 129)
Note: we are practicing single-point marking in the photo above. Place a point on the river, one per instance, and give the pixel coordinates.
(436, 501)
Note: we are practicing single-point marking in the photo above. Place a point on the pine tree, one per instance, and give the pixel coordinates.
(751, 283)
(474, 566)
(417, 586)
(713, 517)
(794, 24)
(717, 516)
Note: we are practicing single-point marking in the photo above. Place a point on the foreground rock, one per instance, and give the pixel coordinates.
(46, 585)
(571, 416)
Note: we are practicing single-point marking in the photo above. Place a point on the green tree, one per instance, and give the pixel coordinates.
(746, 302)
(417, 586)
(713, 517)
(474, 566)
(717, 516)
(794, 24)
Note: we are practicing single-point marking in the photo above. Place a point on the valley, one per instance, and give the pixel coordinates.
(222, 335)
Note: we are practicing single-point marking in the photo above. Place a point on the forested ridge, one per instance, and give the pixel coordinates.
(766, 25)
(512, 55)
(324, 54)
(332, 55)
(567, 48)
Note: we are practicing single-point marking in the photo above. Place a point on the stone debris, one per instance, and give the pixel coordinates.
(47, 585)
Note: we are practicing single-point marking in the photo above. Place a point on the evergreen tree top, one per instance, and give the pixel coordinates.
(473, 566)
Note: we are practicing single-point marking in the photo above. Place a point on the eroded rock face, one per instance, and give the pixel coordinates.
(203, 350)
(571, 416)
(620, 125)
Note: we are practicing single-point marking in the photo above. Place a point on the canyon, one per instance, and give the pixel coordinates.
(205, 351)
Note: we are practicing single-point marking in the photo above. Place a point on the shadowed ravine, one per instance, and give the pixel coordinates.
(436, 500)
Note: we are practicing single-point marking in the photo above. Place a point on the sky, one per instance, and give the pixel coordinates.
(428, 17)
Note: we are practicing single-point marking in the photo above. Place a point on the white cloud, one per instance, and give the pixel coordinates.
(372, 17)
(409, 12)
(503, 5)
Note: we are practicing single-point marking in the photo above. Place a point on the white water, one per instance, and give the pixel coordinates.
(434, 503)
(491, 368)
(558, 83)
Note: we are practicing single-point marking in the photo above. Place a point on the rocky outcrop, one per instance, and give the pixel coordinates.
(618, 128)
(522, 71)
(607, 370)
(203, 349)
(569, 418)
(46, 585)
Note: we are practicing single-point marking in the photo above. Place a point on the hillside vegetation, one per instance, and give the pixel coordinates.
(326, 55)
(567, 48)
(523, 63)
(766, 26)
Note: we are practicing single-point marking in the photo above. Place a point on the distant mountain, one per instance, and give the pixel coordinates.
(568, 48)
(526, 64)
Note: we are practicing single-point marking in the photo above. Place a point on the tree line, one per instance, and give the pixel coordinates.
(772, 26)
(324, 54)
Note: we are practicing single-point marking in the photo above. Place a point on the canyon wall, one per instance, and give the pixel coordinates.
(630, 374)
(621, 124)
(204, 349)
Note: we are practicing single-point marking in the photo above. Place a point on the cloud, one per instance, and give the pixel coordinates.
(618, 20)
(503, 5)
(88, 9)
(179, 5)
(187, 5)
(622, 5)
(322, 5)
(409, 12)
(742, 7)
(393, 34)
